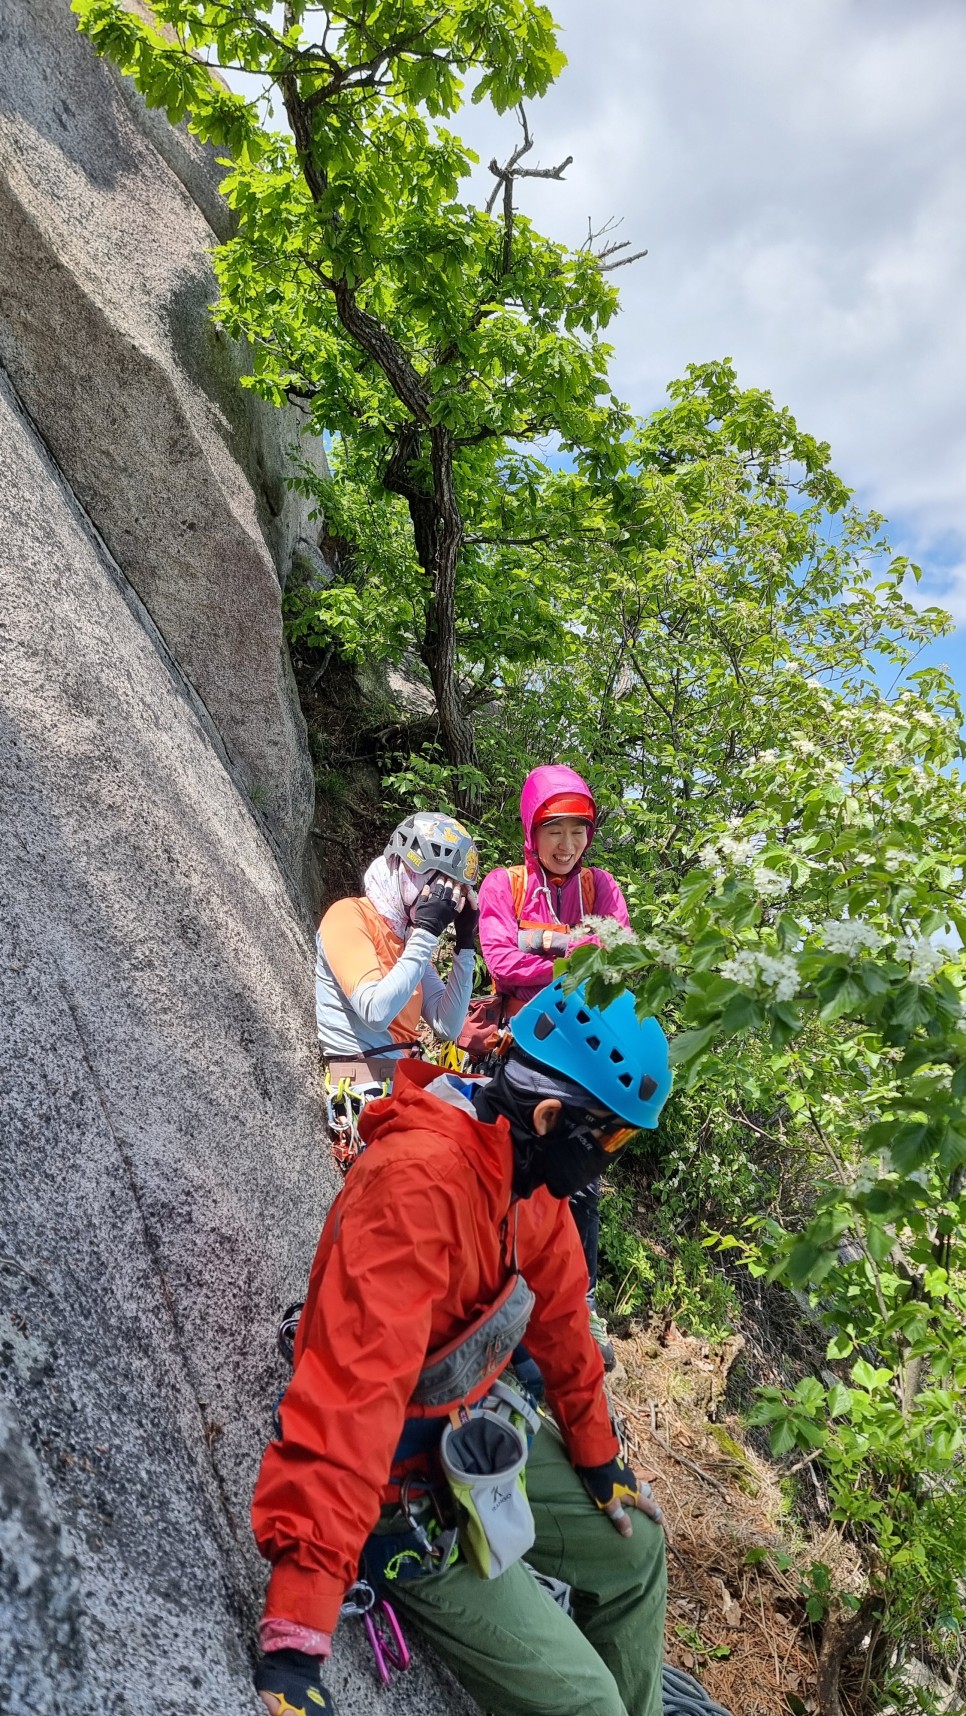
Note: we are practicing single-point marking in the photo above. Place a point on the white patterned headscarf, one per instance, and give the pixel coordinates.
(393, 891)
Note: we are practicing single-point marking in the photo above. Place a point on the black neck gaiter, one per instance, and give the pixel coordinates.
(564, 1160)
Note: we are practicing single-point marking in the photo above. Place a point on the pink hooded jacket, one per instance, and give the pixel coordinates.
(523, 975)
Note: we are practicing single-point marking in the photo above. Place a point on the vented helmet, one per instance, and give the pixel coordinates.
(619, 1059)
(428, 842)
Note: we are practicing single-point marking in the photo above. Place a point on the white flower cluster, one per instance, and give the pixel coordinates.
(609, 932)
(851, 936)
(727, 847)
(738, 852)
(777, 763)
(664, 952)
(925, 959)
(885, 719)
(854, 936)
(769, 885)
(775, 971)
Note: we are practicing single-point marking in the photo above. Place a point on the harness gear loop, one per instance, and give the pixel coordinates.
(344, 1104)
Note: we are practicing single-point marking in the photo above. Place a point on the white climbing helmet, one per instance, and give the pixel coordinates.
(428, 841)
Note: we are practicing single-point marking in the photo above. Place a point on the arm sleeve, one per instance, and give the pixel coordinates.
(499, 930)
(319, 1489)
(445, 1007)
(379, 1003)
(558, 1333)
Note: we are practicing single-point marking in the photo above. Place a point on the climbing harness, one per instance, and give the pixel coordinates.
(344, 1106)
(346, 1097)
(382, 1627)
(557, 1590)
(415, 1539)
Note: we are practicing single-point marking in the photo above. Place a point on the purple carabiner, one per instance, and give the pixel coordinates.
(386, 1638)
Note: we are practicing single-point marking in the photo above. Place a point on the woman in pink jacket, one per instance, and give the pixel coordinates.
(532, 914)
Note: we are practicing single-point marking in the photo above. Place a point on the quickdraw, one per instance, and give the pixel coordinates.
(383, 1631)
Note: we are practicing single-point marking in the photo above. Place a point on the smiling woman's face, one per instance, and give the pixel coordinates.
(561, 843)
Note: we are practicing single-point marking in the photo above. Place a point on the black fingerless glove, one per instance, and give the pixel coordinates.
(433, 911)
(465, 923)
(615, 1480)
(293, 1677)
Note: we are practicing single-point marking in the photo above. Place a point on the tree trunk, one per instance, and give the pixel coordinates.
(439, 654)
(842, 1634)
(437, 522)
(438, 536)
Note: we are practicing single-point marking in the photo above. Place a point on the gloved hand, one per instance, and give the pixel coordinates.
(552, 944)
(613, 1484)
(291, 1678)
(466, 920)
(435, 908)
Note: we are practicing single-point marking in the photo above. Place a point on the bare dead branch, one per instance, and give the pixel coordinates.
(506, 175)
(608, 267)
(606, 251)
(518, 153)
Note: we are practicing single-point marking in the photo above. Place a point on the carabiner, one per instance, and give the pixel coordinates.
(386, 1638)
(382, 1628)
(358, 1600)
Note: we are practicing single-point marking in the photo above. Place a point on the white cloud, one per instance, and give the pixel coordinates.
(798, 173)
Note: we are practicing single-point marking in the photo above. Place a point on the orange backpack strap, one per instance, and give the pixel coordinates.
(518, 887)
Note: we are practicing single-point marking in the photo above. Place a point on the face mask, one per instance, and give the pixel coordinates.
(570, 1157)
(564, 1161)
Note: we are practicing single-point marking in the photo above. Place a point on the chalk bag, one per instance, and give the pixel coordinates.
(484, 1459)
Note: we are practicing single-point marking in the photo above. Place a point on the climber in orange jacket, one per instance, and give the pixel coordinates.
(462, 1184)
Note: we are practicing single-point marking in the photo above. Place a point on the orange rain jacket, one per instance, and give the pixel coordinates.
(414, 1247)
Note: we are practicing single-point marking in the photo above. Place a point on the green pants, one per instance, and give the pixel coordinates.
(514, 1650)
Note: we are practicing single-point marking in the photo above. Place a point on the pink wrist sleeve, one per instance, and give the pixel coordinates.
(276, 1634)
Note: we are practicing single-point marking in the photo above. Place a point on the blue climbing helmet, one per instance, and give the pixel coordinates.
(619, 1059)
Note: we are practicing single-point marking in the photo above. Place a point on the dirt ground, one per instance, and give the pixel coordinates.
(736, 1610)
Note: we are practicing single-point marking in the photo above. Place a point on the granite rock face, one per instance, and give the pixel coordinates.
(105, 282)
(163, 1170)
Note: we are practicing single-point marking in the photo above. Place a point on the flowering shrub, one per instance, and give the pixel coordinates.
(834, 1007)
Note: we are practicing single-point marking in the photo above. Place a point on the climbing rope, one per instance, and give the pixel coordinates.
(686, 1697)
